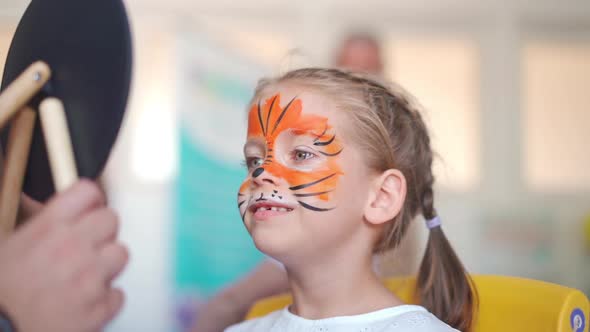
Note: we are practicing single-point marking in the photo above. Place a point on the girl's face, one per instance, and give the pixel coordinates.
(307, 184)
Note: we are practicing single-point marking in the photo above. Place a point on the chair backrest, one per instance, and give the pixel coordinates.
(506, 304)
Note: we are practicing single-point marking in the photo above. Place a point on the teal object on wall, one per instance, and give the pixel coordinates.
(212, 246)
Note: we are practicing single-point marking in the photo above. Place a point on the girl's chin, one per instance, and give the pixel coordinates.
(273, 245)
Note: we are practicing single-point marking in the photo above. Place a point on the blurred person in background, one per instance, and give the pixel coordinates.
(359, 52)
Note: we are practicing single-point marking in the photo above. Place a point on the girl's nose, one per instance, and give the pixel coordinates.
(261, 176)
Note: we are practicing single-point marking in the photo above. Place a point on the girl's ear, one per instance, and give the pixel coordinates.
(386, 197)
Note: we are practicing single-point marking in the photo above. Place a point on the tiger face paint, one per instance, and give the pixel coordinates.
(292, 159)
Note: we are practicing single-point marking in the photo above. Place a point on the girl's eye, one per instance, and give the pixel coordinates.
(300, 155)
(254, 162)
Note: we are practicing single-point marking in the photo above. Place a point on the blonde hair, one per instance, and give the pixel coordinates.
(389, 127)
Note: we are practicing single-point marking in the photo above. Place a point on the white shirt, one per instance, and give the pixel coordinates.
(402, 318)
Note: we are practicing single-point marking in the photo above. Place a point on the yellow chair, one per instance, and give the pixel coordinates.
(506, 304)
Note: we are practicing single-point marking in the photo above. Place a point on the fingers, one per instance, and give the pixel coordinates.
(71, 248)
(28, 207)
(98, 227)
(98, 230)
(96, 288)
(65, 207)
(107, 310)
(94, 281)
(114, 303)
(112, 260)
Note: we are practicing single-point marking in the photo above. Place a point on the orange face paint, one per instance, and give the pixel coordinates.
(269, 121)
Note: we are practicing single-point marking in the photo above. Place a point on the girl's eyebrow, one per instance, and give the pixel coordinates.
(253, 145)
(305, 132)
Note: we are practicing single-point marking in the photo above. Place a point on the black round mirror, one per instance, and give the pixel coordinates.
(87, 45)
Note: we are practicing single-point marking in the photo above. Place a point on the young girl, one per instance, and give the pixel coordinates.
(339, 165)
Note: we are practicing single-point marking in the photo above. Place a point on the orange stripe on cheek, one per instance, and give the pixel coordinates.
(244, 186)
(295, 178)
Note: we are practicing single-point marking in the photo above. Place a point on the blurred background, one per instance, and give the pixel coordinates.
(505, 90)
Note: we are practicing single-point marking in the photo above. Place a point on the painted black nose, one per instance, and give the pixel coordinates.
(257, 172)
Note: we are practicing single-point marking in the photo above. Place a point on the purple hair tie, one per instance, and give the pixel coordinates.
(433, 223)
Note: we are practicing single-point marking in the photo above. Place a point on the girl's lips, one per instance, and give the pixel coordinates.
(268, 209)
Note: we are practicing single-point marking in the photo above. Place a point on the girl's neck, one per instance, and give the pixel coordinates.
(341, 287)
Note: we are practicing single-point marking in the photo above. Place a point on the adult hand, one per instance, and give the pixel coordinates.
(56, 270)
